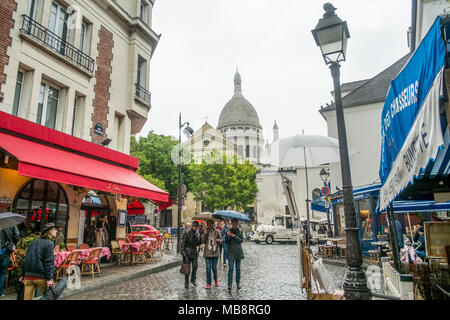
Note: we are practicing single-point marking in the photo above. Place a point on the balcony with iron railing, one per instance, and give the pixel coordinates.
(142, 95)
(38, 34)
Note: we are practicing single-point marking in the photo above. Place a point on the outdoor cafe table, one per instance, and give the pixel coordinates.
(334, 240)
(132, 247)
(83, 255)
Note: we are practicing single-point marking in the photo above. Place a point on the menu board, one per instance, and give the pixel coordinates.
(437, 237)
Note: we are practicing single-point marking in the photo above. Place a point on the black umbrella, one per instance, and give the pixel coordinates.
(9, 219)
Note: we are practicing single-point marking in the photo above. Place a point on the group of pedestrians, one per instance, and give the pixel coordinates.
(229, 239)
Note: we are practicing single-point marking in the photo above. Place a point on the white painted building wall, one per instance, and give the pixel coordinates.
(427, 11)
(363, 127)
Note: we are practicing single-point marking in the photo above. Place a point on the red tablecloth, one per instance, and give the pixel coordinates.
(135, 245)
(84, 254)
(60, 257)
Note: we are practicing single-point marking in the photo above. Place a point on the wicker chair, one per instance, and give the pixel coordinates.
(151, 250)
(168, 241)
(140, 253)
(92, 263)
(71, 248)
(71, 260)
(116, 251)
(84, 246)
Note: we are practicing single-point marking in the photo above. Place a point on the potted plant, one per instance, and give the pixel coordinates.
(20, 252)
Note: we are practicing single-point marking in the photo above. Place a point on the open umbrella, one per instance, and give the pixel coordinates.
(9, 219)
(204, 216)
(229, 214)
(303, 151)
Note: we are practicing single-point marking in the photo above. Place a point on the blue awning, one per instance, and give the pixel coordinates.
(361, 192)
(318, 205)
(419, 206)
(411, 133)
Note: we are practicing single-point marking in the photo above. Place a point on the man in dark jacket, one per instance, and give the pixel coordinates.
(6, 235)
(189, 250)
(39, 264)
(234, 241)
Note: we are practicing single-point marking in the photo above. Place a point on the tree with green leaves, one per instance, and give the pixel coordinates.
(222, 182)
(155, 161)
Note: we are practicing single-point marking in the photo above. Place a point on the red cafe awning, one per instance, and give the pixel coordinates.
(54, 164)
(135, 207)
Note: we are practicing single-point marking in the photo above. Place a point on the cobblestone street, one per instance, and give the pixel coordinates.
(267, 272)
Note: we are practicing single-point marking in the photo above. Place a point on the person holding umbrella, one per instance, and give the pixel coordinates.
(7, 236)
(189, 250)
(38, 265)
(234, 241)
(211, 239)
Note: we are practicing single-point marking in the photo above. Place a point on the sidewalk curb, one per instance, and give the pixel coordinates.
(101, 284)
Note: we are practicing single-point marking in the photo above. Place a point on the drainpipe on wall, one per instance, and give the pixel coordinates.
(413, 24)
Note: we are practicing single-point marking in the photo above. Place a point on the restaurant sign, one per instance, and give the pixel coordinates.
(411, 132)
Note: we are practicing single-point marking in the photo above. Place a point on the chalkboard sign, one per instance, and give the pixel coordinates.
(137, 219)
(98, 129)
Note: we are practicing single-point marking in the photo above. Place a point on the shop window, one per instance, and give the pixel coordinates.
(43, 202)
(366, 221)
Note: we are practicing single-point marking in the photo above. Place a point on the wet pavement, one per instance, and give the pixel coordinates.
(267, 272)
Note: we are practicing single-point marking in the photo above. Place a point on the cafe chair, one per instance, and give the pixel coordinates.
(168, 243)
(140, 253)
(116, 251)
(151, 250)
(71, 260)
(83, 246)
(71, 248)
(159, 246)
(92, 263)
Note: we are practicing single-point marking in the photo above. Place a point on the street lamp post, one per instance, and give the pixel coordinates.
(324, 176)
(188, 131)
(331, 34)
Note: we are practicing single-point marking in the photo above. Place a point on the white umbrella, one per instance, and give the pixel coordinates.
(9, 219)
(303, 151)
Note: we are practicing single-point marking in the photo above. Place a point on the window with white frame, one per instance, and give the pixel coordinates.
(85, 37)
(142, 72)
(58, 25)
(144, 13)
(18, 93)
(48, 105)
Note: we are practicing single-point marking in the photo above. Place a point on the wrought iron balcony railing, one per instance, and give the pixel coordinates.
(143, 94)
(47, 38)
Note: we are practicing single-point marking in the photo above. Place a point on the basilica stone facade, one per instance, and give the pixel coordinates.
(239, 123)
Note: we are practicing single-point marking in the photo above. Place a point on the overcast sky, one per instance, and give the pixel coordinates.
(283, 73)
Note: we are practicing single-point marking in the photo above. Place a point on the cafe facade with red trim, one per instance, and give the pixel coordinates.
(46, 175)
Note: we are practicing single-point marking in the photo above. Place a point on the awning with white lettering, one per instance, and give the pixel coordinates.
(411, 134)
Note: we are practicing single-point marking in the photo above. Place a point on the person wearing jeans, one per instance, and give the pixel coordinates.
(223, 232)
(10, 234)
(211, 239)
(189, 250)
(234, 240)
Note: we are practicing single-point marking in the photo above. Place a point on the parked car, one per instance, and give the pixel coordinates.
(172, 230)
(145, 229)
